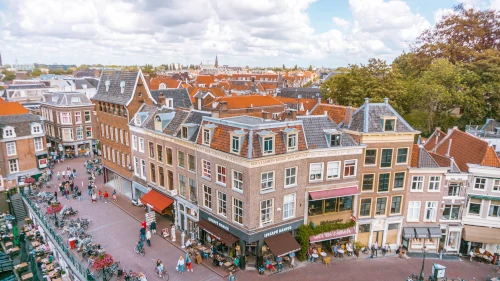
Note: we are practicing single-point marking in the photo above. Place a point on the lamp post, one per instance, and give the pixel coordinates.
(421, 278)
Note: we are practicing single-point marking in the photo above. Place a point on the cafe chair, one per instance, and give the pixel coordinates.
(326, 260)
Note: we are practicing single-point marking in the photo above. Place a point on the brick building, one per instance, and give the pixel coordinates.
(23, 150)
(70, 124)
(119, 96)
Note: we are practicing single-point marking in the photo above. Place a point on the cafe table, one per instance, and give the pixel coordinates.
(21, 267)
(315, 256)
(27, 276)
(341, 253)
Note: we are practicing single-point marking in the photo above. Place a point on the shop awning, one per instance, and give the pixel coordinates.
(337, 233)
(481, 234)
(421, 232)
(156, 201)
(332, 193)
(485, 197)
(282, 244)
(435, 232)
(220, 234)
(408, 232)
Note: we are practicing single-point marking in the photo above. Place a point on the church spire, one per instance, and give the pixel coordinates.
(0, 59)
(216, 61)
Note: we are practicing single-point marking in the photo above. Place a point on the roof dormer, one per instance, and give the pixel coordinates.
(36, 128)
(291, 136)
(237, 138)
(107, 83)
(388, 123)
(139, 118)
(333, 137)
(188, 130)
(9, 132)
(207, 134)
(162, 120)
(267, 141)
(122, 87)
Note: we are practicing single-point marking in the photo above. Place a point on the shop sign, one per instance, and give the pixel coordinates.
(337, 233)
(49, 145)
(60, 147)
(278, 231)
(331, 221)
(219, 224)
(42, 163)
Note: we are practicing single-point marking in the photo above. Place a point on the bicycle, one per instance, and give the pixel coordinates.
(164, 274)
(139, 251)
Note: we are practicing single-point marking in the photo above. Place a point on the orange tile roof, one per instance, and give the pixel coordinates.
(237, 102)
(467, 149)
(415, 151)
(434, 139)
(169, 82)
(221, 76)
(441, 160)
(205, 79)
(308, 104)
(2, 100)
(336, 113)
(12, 108)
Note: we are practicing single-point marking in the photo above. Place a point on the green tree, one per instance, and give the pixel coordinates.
(9, 75)
(295, 68)
(310, 68)
(284, 68)
(36, 72)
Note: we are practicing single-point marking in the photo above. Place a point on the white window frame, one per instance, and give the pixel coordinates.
(36, 129)
(351, 161)
(237, 210)
(9, 132)
(141, 144)
(434, 183)
(143, 168)
(268, 217)
(11, 148)
(480, 208)
(223, 176)
(206, 196)
(413, 209)
(85, 114)
(294, 138)
(292, 177)
(430, 206)
(221, 204)
(70, 130)
(496, 185)
(330, 170)
(206, 136)
(237, 183)
(79, 133)
(66, 118)
(13, 163)
(136, 166)
(289, 206)
(417, 181)
(134, 142)
(316, 169)
(237, 149)
(266, 181)
(78, 117)
(102, 130)
(38, 143)
(206, 169)
(480, 183)
(493, 206)
(87, 130)
(273, 144)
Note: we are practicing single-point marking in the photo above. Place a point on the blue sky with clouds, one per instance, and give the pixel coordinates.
(326, 33)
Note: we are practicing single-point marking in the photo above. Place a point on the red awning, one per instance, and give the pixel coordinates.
(156, 201)
(337, 233)
(332, 193)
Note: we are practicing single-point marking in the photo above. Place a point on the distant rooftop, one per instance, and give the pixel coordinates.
(249, 120)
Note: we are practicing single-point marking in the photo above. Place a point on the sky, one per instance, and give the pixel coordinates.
(321, 33)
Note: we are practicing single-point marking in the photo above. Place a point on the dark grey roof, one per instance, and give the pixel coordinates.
(425, 160)
(147, 110)
(367, 118)
(314, 126)
(114, 95)
(180, 97)
(80, 82)
(310, 93)
(67, 99)
(249, 120)
(195, 117)
(93, 81)
(21, 123)
(174, 124)
(25, 86)
(84, 73)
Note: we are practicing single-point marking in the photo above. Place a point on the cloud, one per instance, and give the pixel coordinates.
(258, 32)
(495, 4)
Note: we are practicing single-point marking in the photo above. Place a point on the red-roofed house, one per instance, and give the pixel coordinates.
(204, 81)
(161, 83)
(246, 104)
(338, 113)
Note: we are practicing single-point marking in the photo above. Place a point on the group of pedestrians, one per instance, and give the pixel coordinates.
(71, 174)
(68, 187)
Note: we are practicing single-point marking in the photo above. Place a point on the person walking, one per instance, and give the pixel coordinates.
(64, 175)
(94, 197)
(143, 224)
(100, 195)
(189, 263)
(231, 276)
(114, 195)
(79, 194)
(373, 251)
(106, 195)
(148, 237)
(9, 226)
(152, 226)
(90, 189)
(66, 194)
(375, 245)
(74, 173)
(143, 233)
(55, 195)
(58, 176)
(180, 265)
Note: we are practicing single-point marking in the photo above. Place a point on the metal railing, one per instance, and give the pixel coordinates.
(78, 269)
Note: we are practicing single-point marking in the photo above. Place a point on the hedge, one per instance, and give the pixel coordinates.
(305, 231)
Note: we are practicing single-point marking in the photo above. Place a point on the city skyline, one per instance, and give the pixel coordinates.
(122, 32)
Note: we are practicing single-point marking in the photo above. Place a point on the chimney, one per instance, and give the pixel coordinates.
(386, 100)
(419, 140)
(215, 114)
(161, 99)
(291, 114)
(367, 100)
(325, 113)
(449, 148)
(223, 106)
(348, 115)
(266, 115)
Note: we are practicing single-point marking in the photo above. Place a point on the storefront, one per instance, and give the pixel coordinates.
(450, 239)
(138, 190)
(415, 239)
(187, 216)
(327, 240)
(118, 182)
(482, 238)
(158, 202)
(331, 205)
(384, 231)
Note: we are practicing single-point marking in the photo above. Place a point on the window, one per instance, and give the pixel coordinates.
(11, 148)
(102, 130)
(364, 228)
(417, 183)
(121, 136)
(207, 171)
(368, 180)
(334, 140)
(134, 142)
(13, 166)
(126, 138)
(370, 157)
(396, 204)
(87, 116)
(67, 134)
(268, 145)
(206, 136)
(451, 212)
(66, 118)
(184, 132)
(237, 211)
(191, 163)
(221, 203)
(350, 168)
(88, 132)
(141, 145)
(180, 159)
(238, 180)
(221, 174)
(159, 153)
(8, 132)
(107, 131)
(267, 181)
(365, 207)
(291, 177)
(36, 129)
(381, 206)
(413, 210)
(143, 168)
(78, 117)
(289, 206)
(161, 176)
(383, 182)
(152, 170)
(169, 155)
(79, 133)
(151, 150)
(235, 144)
(479, 183)
(291, 143)
(399, 179)
(192, 190)
(494, 209)
(207, 196)
(402, 157)
(389, 125)
(474, 206)
(454, 189)
(118, 157)
(386, 159)
(434, 183)
(430, 211)
(496, 185)
(316, 172)
(266, 212)
(38, 144)
(116, 134)
(333, 170)
(182, 185)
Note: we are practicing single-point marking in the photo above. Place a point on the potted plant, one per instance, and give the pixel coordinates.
(357, 247)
